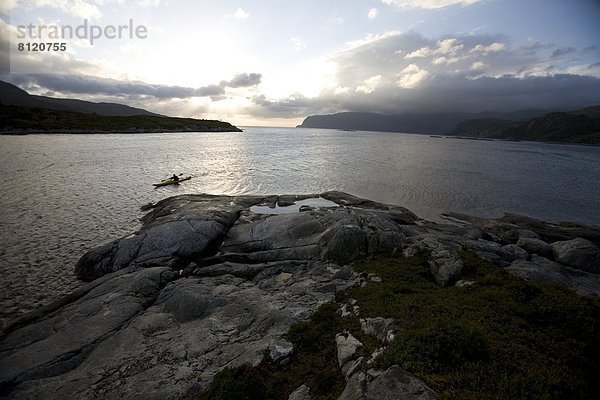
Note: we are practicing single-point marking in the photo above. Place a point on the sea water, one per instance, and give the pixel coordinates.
(65, 194)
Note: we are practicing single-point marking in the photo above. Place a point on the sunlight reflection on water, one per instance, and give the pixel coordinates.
(65, 194)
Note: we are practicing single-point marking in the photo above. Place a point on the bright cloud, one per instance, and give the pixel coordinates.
(7, 5)
(477, 65)
(412, 76)
(429, 4)
(445, 47)
(422, 52)
(240, 14)
(492, 48)
(370, 85)
(445, 60)
(341, 90)
(76, 8)
(448, 46)
(371, 38)
(297, 43)
(344, 69)
(442, 74)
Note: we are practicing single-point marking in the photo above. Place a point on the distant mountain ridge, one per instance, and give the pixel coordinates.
(435, 123)
(13, 96)
(580, 126)
(22, 113)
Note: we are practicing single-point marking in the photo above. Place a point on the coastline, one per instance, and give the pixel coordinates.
(180, 281)
(115, 131)
(23, 120)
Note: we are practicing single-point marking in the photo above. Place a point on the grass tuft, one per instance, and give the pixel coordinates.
(502, 338)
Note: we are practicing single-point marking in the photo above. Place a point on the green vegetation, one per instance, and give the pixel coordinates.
(501, 338)
(313, 363)
(16, 119)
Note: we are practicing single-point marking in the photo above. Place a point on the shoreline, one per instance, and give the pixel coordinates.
(180, 281)
(123, 131)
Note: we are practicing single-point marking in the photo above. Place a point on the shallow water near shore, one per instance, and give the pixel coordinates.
(65, 194)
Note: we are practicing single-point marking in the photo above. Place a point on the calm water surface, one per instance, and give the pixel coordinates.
(65, 194)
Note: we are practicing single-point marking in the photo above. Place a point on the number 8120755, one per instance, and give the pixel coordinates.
(40, 46)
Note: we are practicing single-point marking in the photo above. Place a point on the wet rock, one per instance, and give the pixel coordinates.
(338, 235)
(166, 235)
(578, 253)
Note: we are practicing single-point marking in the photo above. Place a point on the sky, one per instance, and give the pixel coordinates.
(274, 62)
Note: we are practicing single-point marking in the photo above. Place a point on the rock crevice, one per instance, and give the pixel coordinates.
(207, 283)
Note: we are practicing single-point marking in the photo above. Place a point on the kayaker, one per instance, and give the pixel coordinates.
(175, 178)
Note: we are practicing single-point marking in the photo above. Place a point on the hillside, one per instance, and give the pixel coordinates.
(22, 113)
(433, 123)
(22, 120)
(12, 95)
(581, 126)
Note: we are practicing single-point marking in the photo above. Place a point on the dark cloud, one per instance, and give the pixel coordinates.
(449, 94)
(81, 84)
(410, 73)
(563, 51)
(244, 80)
(390, 73)
(533, 48)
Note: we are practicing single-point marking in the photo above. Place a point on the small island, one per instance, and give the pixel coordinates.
(318, 296)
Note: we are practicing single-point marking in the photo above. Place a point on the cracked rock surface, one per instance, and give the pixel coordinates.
(203, 285)
(208, 283)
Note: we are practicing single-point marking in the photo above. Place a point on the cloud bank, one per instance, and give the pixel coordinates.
(391, 72)
(407, 72)
(78, 84)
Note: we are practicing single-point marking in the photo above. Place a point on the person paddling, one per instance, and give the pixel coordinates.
(175, 178)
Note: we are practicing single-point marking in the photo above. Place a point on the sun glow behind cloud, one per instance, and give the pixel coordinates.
(324, 59)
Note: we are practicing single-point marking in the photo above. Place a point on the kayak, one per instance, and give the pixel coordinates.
(170, 181)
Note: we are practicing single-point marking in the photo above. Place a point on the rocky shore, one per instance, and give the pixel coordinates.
(215, 282)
